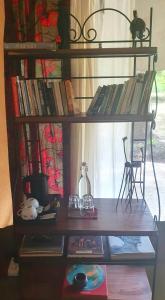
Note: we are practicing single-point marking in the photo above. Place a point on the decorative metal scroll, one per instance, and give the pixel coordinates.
(81, 35)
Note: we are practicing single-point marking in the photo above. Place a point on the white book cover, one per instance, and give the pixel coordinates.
(131, 247)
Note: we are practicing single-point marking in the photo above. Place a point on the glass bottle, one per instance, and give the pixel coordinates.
(84, 186)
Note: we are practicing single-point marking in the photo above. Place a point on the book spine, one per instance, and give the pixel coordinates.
(69, 96)
(137, 94)
(50, 99)
(151, 78)
(58, 98)
(64, 97)
(20, 97)
(32, 100)
(25, 97)
(105, 100)
(52, 86)
(40, 89)
(97, 105)
(90, 108)
(111, 97)
(116, 97)
(36, 96)
(121, 99)
(76, 107)
(15, 96)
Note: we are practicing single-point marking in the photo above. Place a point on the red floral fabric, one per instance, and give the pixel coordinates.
(49, 146)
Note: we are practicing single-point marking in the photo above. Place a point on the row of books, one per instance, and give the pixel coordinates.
(121, 247)
(43, 97)
(131, 97)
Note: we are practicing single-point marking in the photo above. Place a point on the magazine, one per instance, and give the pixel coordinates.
(130, 247)
(85, 246)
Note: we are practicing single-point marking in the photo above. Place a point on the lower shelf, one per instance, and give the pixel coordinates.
(124, 282)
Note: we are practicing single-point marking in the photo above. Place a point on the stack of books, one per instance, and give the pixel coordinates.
(131, 97)
(41, 245)
(85, 246)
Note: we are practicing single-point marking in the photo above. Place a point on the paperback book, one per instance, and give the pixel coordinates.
(42, 245)
(85, 246)
(130, 247)
(96, 285)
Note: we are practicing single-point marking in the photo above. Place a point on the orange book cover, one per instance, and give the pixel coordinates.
(95, 288)
(15, 96)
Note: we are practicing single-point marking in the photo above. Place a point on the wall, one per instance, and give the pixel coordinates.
(5, 193)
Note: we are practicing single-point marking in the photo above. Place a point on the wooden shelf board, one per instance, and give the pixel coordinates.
(83, 118)
(123, 282)
(85, 260)
(137, 221)
(81, 53)
(128, 283)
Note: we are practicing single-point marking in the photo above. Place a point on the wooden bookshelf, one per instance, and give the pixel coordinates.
(126, 280)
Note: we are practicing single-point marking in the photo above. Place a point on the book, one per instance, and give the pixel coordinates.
(64, 97)
(105, 99)
(58, 98)
(137, 94)
(147, 92)
(36, 95)
(90, 108)
(15, 96)
(130, 95)
(69, 96)
(50, 99)
(115, 99)
(25, 98)
(108, 105)
(75, 102)
(95, 288)
(130, 247)
(121, 98)
(125, 107)
(31, 96)
(20, 97)
(99, 100)
(42, 245)
(41, 97)
(85, 246)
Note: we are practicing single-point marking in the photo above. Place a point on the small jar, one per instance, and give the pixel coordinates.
(80, 281)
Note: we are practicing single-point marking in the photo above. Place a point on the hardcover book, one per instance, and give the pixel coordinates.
(85, 246)
(130, 247)
(95, 288)
(42, 245)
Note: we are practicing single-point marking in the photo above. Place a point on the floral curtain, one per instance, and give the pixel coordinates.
(38, 21)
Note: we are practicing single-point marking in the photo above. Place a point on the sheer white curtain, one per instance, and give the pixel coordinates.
(100, 145)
